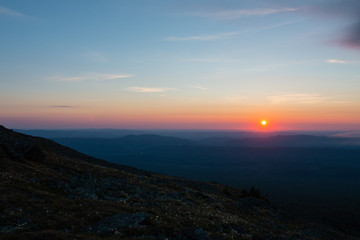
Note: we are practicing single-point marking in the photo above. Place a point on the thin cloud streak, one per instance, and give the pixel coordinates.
(149, 90)
(61, 106)
(9, 12)
(204, 37)
(228, 35)
(239, 13)
(212, 60)
(276, 25)
(199, 87)
(275, 66)
(341, 61)
(335, 61)
(296, 98)
(92, 77)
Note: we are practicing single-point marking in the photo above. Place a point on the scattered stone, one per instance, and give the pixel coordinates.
(199, 234)
(114, 224)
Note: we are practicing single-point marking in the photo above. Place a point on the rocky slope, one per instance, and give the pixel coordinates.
(52, 192)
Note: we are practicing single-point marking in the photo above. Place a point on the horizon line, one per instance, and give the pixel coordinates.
(180, 129)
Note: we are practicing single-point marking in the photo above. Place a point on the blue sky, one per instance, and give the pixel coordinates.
(160, 64)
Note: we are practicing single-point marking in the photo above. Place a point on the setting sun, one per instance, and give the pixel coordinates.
(263, 123)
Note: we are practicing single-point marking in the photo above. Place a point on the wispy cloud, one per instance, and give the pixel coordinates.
(204, 37)
(198, 86)
(341, 61)
(9, 12)
(296, 98)
(91, 77)
(352, 36)
(149, 90)
(275, 25)
(228, 35)
(260, 68)
(60, 106)
(347, 10)
(335, 61)
(239, 13)
(212, 60)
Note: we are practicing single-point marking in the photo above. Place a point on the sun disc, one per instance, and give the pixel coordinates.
(263, 122)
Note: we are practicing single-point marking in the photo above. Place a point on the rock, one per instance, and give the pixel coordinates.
(115, 223)
(198, 234)
(24, 225)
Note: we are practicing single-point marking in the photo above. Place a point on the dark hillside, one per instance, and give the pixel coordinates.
(52, 192)
(300, 172)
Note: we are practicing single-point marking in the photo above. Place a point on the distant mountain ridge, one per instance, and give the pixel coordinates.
(153, 139)
(194, 135)
(127, 144)
(286, 141)
(212, 138)
(52, 192)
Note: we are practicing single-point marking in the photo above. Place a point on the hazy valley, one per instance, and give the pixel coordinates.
(298, 172)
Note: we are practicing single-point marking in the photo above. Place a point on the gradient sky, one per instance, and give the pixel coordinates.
(180, 64)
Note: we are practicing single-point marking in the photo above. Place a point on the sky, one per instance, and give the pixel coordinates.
(166, 64)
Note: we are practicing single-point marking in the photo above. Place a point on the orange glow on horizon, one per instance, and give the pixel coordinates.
(179, 115)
